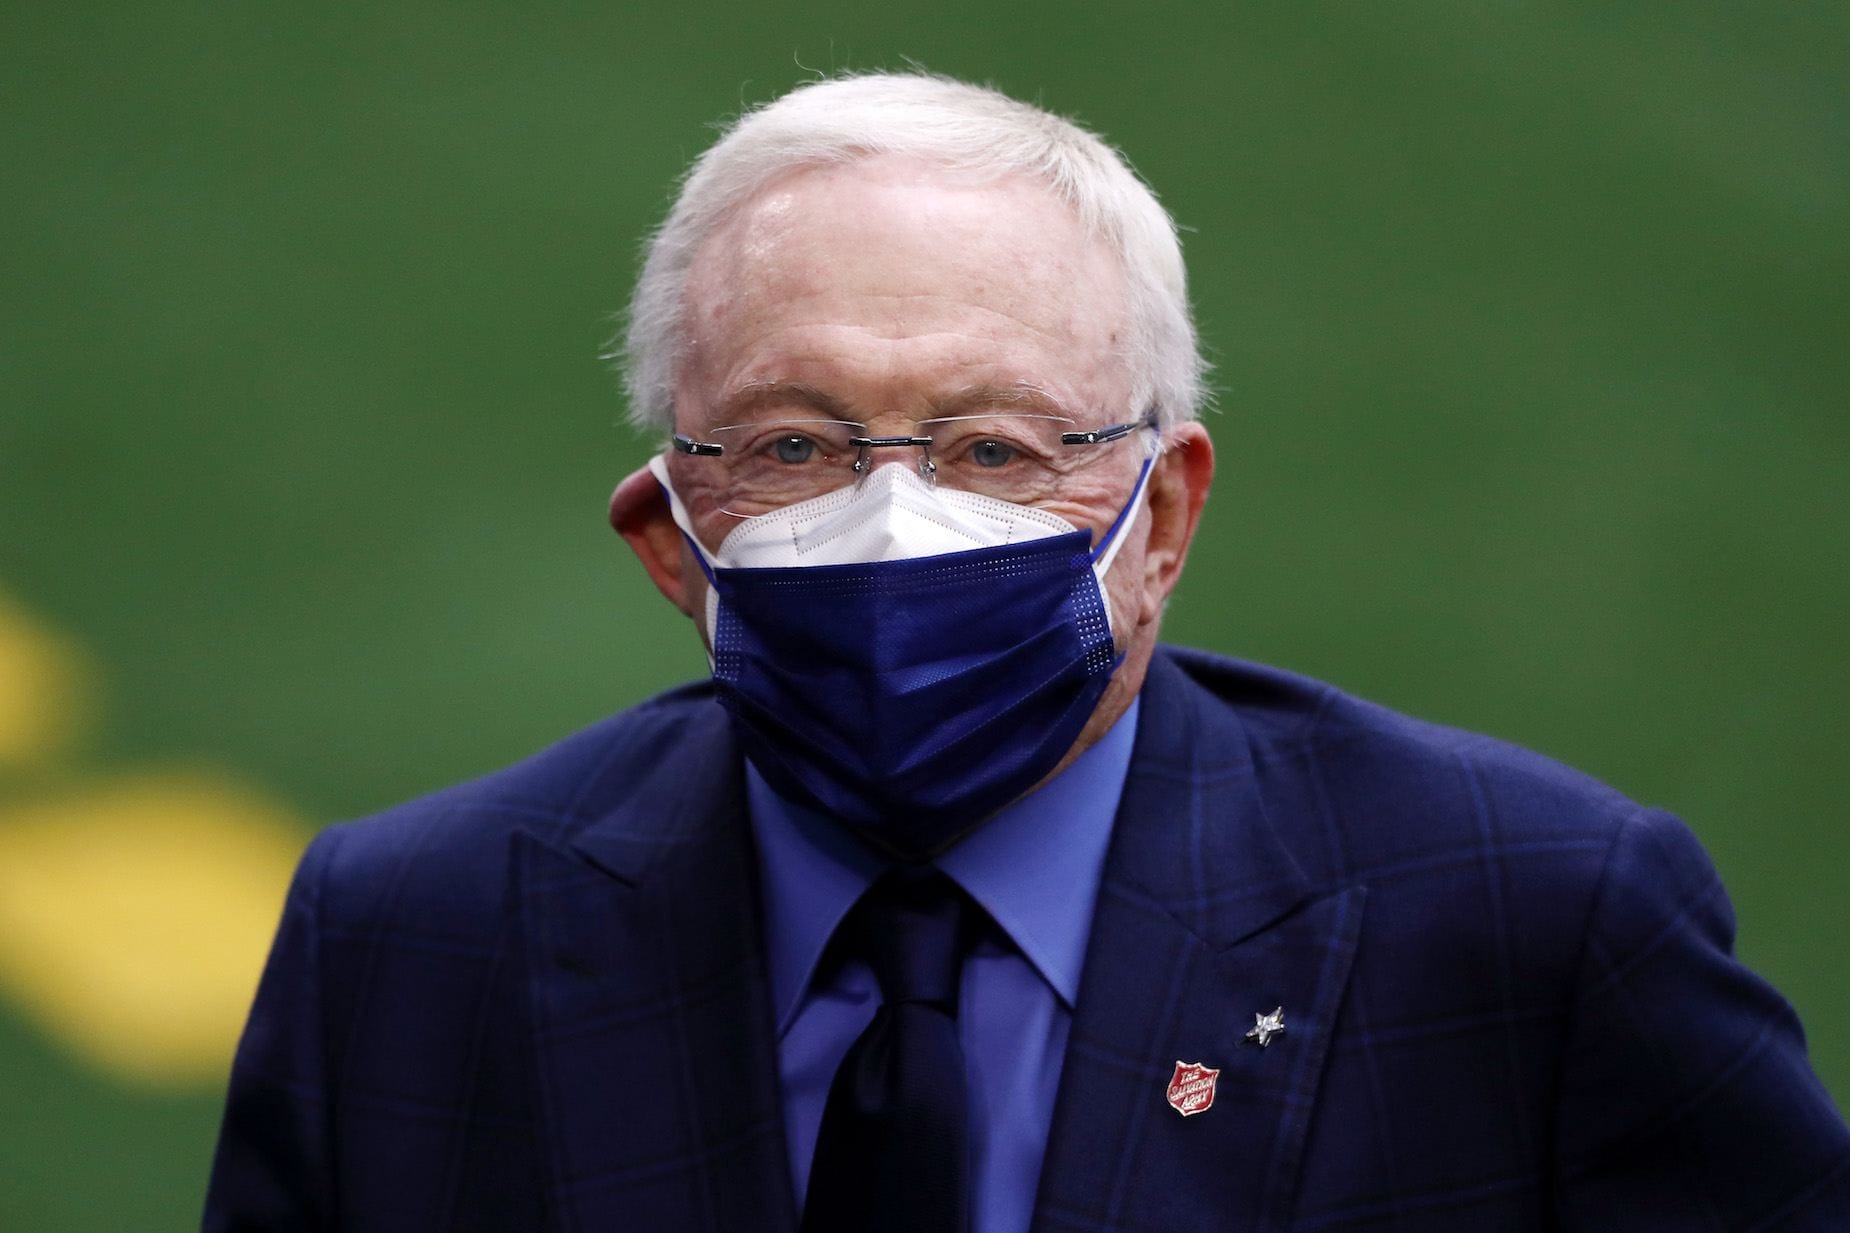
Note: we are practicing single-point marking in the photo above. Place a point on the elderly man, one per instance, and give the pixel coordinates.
(953, 902)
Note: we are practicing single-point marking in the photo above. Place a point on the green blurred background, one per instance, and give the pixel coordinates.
(1530, 325)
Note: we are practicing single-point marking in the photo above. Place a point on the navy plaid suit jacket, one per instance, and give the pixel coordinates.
(537, 1001)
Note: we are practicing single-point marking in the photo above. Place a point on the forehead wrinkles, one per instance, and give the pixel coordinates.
(893, 252)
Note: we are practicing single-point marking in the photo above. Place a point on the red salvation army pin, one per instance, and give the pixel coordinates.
(1192, 1089)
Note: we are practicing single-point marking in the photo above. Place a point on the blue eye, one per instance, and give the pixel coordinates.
(795, 449)
(991, 453)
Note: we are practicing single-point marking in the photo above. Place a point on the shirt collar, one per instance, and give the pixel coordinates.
(1023, 865)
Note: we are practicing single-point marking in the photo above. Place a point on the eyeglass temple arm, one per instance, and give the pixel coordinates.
(1111, 432)
(704, 449)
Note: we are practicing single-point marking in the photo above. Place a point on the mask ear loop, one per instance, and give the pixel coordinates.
(1113, 539)
(658, 467)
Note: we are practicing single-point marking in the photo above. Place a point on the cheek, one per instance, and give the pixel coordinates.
(703, 495)
(1094, 498)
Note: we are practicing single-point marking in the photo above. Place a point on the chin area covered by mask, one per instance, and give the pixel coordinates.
(906, 659)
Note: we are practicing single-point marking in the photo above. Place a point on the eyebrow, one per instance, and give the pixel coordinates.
(1022, 396)
(756, 395)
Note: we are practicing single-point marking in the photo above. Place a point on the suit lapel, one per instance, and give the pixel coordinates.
(1203, 920)
(654, 1061)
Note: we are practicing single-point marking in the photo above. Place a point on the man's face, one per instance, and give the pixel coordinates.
(890, 291)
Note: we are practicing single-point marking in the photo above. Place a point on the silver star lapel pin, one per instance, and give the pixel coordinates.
(1265, 1027)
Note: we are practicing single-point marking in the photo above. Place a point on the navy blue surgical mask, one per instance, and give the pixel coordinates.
(907, 659)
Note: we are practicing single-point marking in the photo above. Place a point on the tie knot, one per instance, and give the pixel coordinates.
(911, 928)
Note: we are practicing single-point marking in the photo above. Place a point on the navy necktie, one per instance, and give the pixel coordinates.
(893, 1151)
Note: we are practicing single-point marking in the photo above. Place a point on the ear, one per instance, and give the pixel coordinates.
(639, 513)
(1179, 484)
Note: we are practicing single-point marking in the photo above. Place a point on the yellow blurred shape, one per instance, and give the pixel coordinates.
(45, 689)
(134, 917)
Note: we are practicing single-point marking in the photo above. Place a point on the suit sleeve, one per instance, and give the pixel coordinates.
(1686, 1101)
(272, 1169)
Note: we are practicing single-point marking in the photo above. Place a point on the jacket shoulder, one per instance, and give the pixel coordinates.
(1379, 770)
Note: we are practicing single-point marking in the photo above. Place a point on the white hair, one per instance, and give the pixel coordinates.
(967, 128)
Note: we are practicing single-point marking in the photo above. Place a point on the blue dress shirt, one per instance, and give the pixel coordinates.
(1035, 868)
